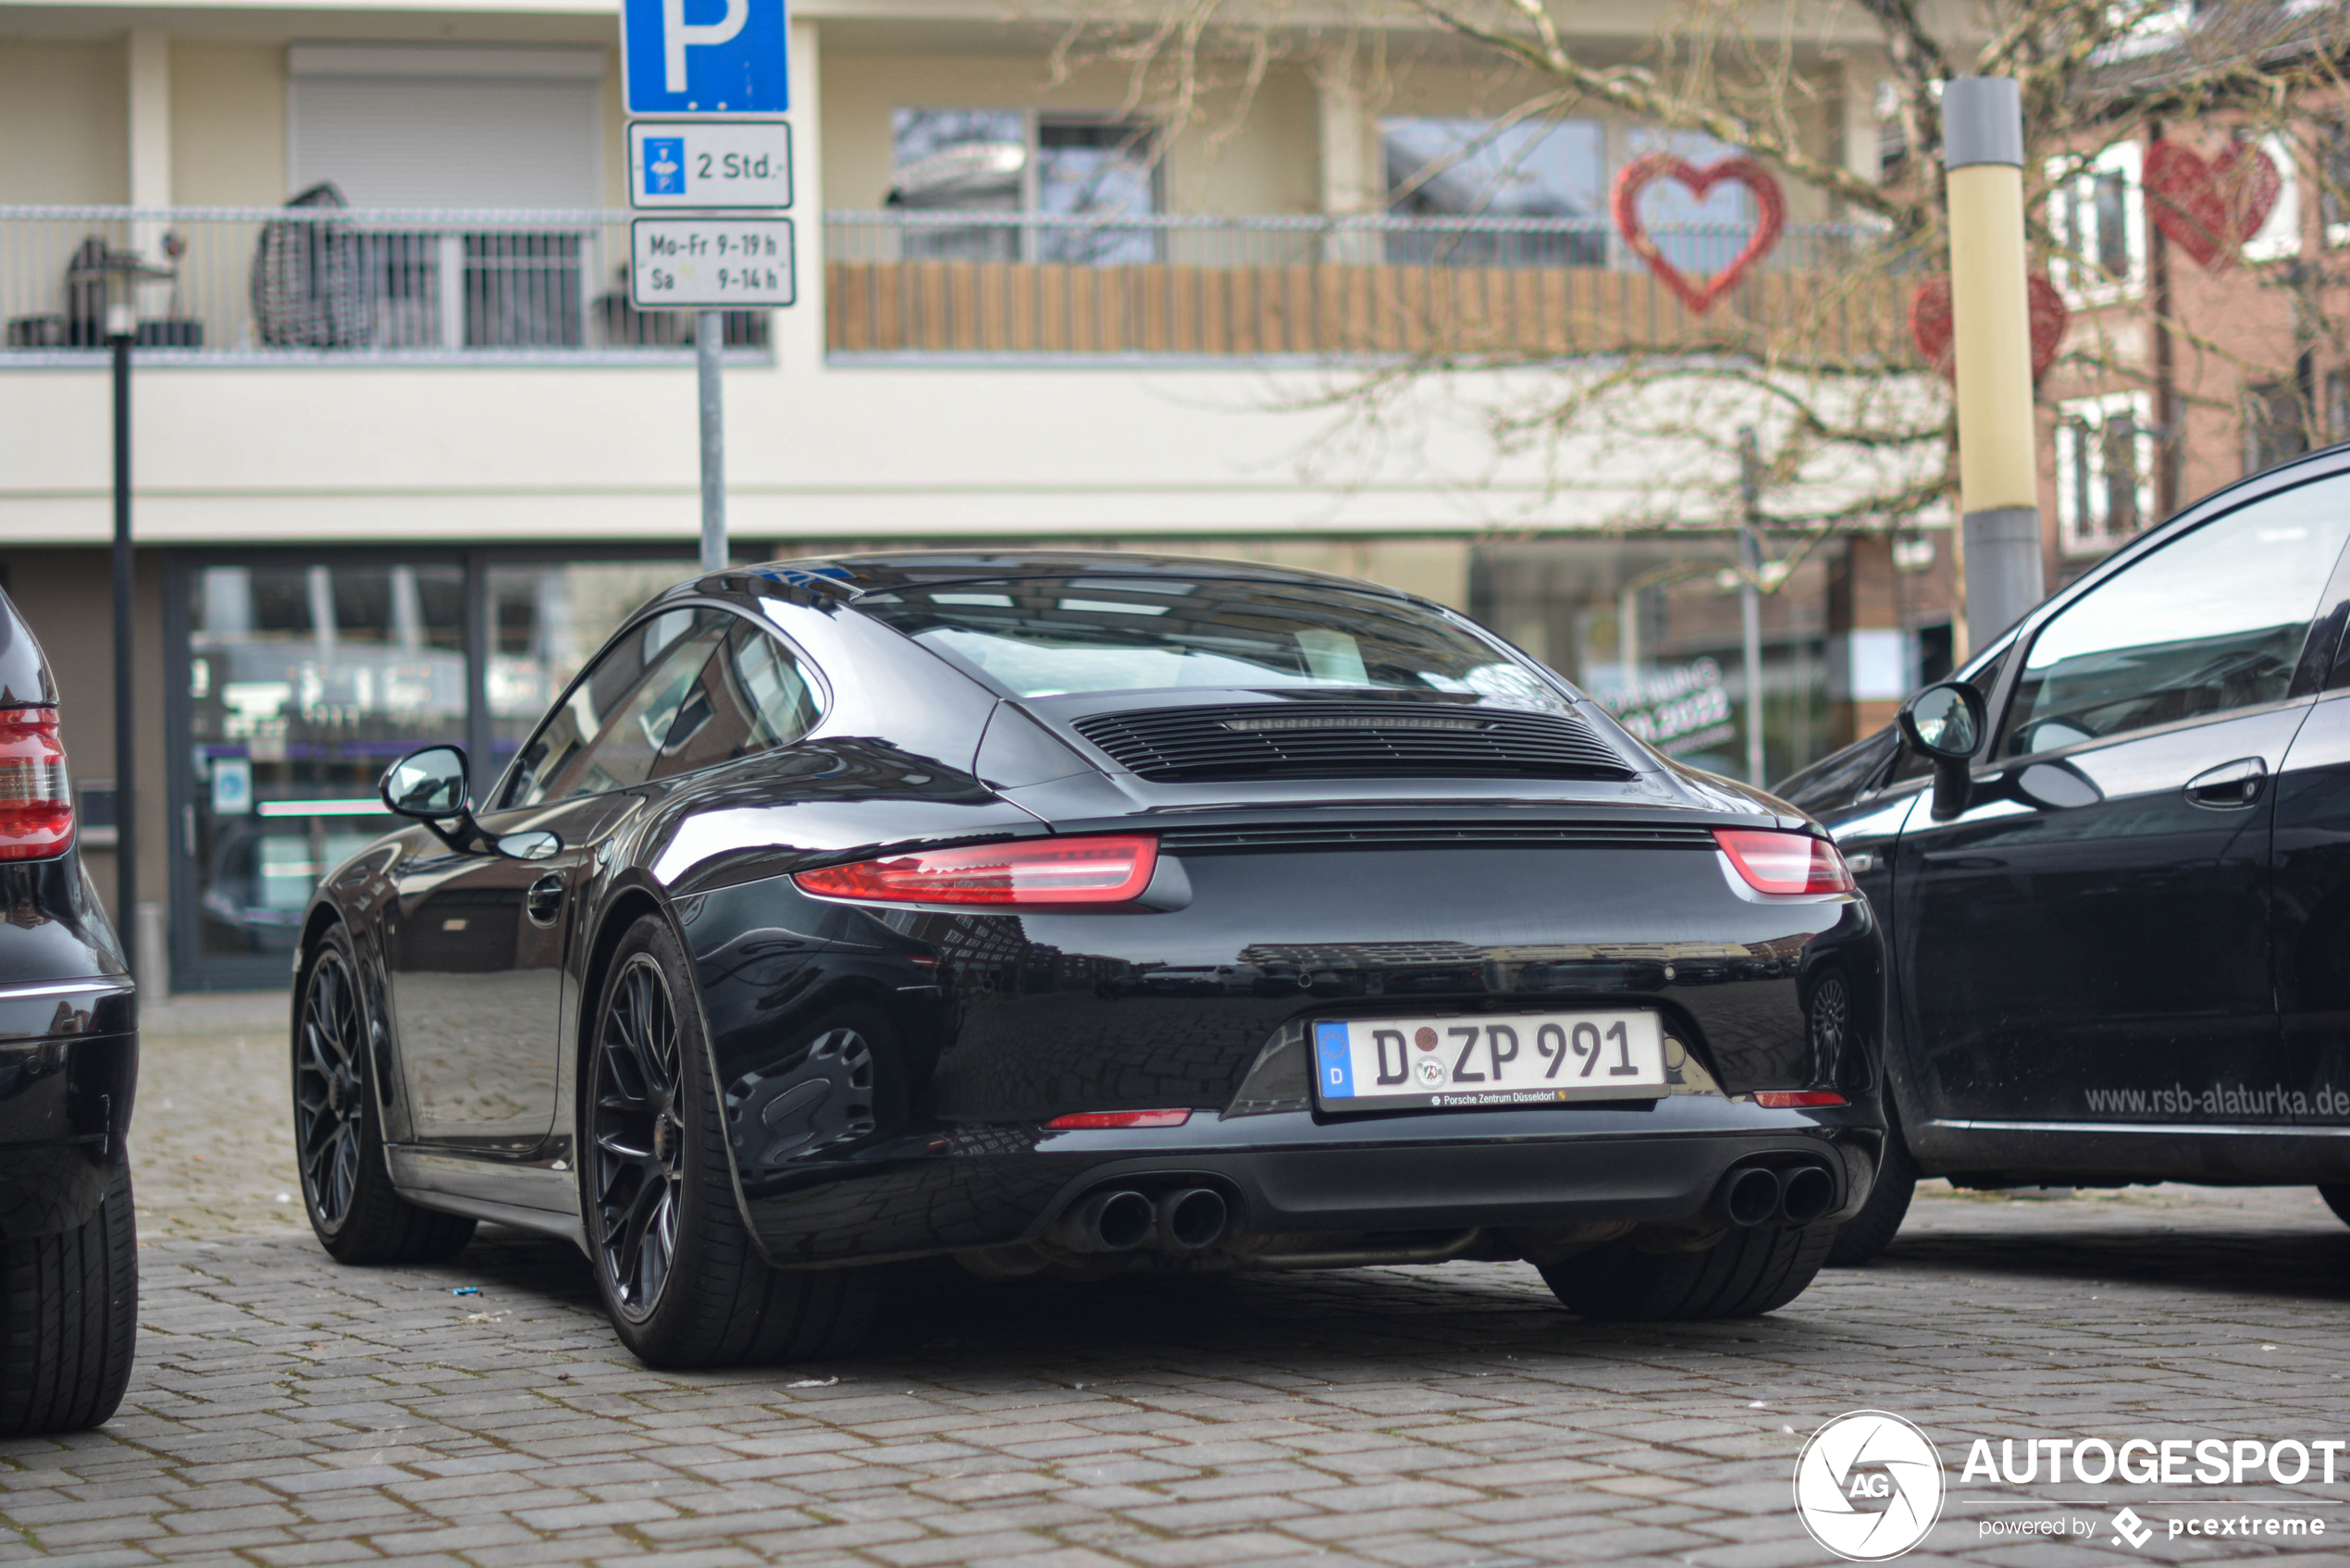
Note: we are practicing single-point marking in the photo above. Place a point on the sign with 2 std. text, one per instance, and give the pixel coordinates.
(710, 165)
(704, 57)
(710, 263)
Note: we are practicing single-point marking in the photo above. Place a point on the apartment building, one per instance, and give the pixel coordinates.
(404, 453)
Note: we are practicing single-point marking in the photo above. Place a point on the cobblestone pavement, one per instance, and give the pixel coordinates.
(289, 1411)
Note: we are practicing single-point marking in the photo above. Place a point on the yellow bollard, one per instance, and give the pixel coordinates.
(1991, 334)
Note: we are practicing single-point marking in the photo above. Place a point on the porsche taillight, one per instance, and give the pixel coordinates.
(1036, 872)
(1776, 862)
(36, 806)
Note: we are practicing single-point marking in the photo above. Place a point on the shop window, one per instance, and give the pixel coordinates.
(1460, 167)
(2104, 456)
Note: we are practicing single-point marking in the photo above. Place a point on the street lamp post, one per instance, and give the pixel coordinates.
(1991, 339)
(121, 272)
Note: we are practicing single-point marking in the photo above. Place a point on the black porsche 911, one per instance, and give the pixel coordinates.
(1080, 914)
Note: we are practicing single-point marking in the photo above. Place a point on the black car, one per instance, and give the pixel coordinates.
(68, 1059)
(2112, 860)
(1082, 913)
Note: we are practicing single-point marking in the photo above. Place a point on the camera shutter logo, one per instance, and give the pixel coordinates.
(1868, 1485)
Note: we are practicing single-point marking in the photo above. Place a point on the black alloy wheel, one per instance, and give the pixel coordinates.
(640, 1161)
(329, 1087)
(346, 1186)
(679, 1271)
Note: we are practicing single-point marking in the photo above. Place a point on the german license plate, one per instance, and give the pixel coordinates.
(1488, 1059)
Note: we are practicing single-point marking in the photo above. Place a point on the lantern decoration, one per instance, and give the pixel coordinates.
(1770, 216)
(2209, 208)
(1930, 324)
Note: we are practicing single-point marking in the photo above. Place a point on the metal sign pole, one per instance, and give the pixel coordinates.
(709, 338)
(705, 140)
(125, 774)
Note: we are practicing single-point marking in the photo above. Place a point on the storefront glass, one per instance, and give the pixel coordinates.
(305, 678)
(304, 681)
(1650, 627)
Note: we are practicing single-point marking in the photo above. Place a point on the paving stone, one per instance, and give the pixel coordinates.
(286, 1412)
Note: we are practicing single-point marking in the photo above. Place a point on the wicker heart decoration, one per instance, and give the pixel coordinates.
(1930, 324)
(1770, 216)
(2208, 209)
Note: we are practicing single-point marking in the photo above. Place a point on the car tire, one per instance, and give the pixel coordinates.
(2337, 1197)
(346, 1185)
(69, 1319)
(1871, 1231)
(678, 1271)
(1748, 1271)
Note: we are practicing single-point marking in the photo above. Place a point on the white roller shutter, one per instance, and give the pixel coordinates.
(415, 126)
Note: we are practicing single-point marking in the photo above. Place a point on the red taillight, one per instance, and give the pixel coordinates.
(1080, 1121)
(1785, 862)
(1795, 1099)
(1032, 872)
(36, 806)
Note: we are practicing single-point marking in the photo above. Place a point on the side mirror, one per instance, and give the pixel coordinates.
(430, 785)
(1946, 723)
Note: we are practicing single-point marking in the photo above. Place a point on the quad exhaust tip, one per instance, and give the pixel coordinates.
(1119, 1219)
(1191, 1219)
(1753, 1197)
(1757, 1195)
(1116, 1221)
(1806, 1193)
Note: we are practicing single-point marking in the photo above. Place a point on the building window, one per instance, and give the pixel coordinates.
(2276, 427)
(2333, 182)
(1012, 161)
(424, 126)
(2099, 224)
(2279, 233)
(2104, 456)
(1455, 168)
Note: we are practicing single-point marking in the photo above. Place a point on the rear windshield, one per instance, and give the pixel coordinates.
(1045, 636)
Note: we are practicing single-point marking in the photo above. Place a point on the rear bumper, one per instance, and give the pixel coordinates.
(68, 1066)
(1297, 1174)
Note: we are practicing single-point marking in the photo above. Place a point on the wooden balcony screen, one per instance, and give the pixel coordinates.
(956, 307)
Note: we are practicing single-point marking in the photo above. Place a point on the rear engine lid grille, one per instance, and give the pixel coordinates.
(1292, 838)
(1327, 740)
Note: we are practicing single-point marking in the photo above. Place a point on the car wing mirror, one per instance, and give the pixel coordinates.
(432, 786)
(1946, 723)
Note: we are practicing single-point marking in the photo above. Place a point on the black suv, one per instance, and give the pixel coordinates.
(68, 1059)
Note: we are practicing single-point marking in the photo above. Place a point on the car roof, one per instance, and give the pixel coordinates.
(883, 571)
(25, 681)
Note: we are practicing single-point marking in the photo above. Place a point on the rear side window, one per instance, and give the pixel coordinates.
(1045, 636)
(2209, 623)
(749, 696)
(605, 732)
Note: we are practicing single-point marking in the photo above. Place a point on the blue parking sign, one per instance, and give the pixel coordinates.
(664, 165)
(704, 57)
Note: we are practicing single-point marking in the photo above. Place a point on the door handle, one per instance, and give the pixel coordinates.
(544, 902)
(2230, 786)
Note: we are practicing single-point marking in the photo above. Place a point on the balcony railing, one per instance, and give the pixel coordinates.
(338, 283)
(1025, 285)
(354, 285)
